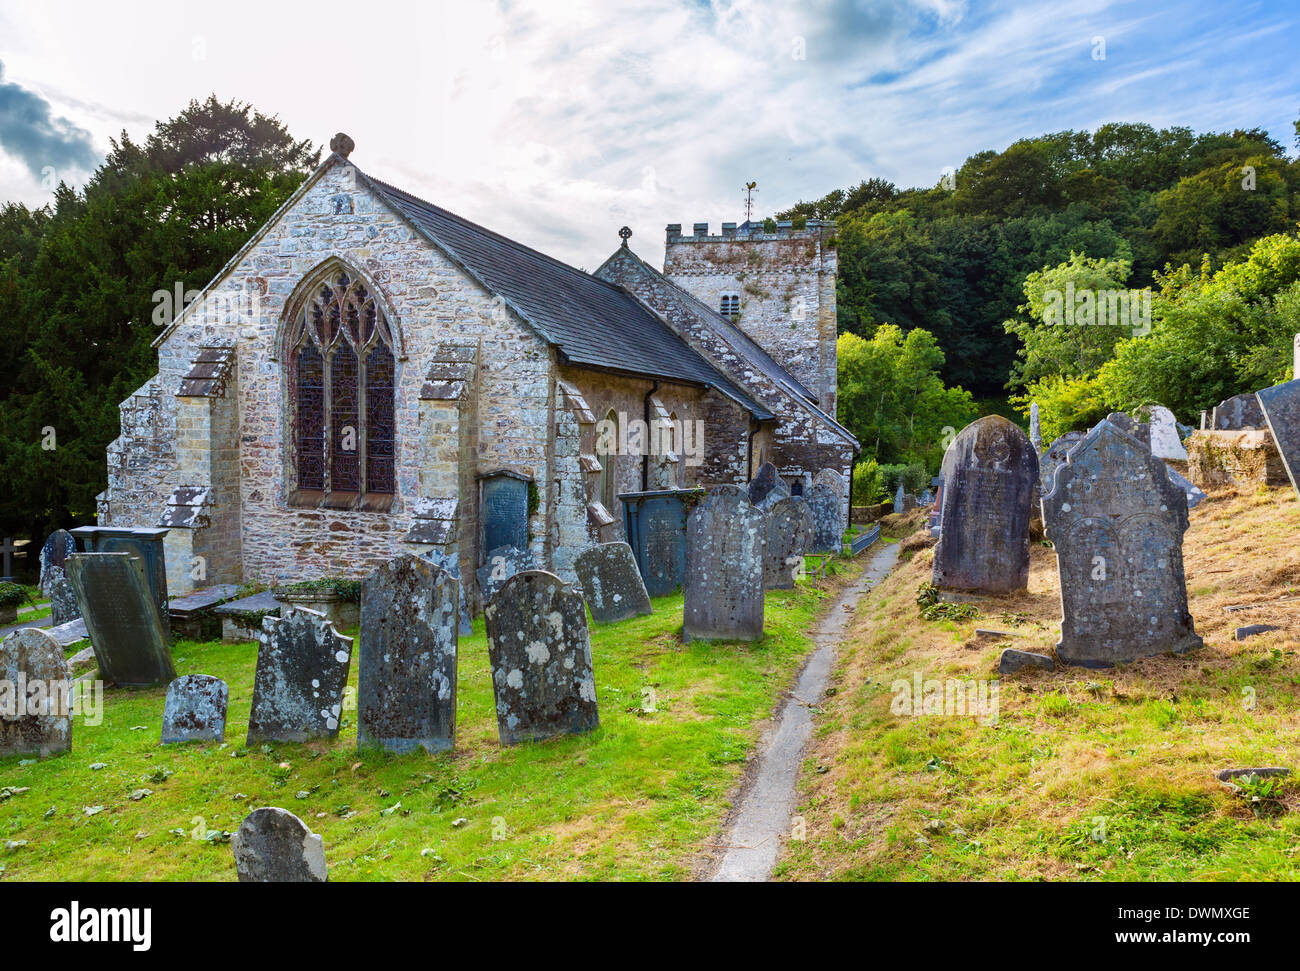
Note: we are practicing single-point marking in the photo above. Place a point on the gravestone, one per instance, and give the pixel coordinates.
(1193, 492)
(59, 545)
(1281, 407)
(498, 567)
(989, 477)
(1237, 413)
(839, 484)
(63, 599)
(1140, 430)
(35, 695)
(449, 563)
(504, 512)
(655, 525)
(195, 710)
(1166, 442)
(144, 543)
(1054, 458)
(780, 491)
(899, 496)
(406, 685)
(275, 846)
(122, 619)
(764, 481)
(1117, 523)
(725, 539)
(611, 583)
(789, 534)
(1035, 434)
(540, 654)
(824, 505)
(302, 671)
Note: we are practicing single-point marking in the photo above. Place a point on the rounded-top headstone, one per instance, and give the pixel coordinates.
(764, 481)
(828, 527)
(275, 846)
(789, 535)
(1238, 413)
(59, 545)
(195, 709)
(37, 720)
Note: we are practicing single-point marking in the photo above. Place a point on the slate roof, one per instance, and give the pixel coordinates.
(590, 321)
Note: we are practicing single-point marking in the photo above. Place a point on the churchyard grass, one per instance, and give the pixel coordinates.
(1100, 774)
(637, 799)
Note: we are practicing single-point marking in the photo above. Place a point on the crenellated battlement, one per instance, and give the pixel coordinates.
(756, 230)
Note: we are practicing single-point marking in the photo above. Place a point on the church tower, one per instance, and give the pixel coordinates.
(775, 282)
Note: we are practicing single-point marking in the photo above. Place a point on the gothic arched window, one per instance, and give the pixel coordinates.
(342, 374)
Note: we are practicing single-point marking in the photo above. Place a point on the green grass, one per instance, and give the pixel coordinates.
(636, 799)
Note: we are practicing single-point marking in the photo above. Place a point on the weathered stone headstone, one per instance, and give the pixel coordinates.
(63, 599)
(1191, 490)
(1117, 523)
(989, 477)
(451, 564)
(195, 710)
(540, 654)
(122, 620)
(59, 545)
(789, 534)
(406, 685)
(1281, 407)
(35, 695)
(780, 491)
(275, 846)
(655, 523)
(899, 496)
(1166, 442)
(725, 539)
(1129, 425)
(1239, 412)
(1054, 458)
(505, 512)
(764, 481)
(611, 583)
(839, 484)
(498, 567)
(302, 671)
(1035, 435)
(144, 543)
(824, 505)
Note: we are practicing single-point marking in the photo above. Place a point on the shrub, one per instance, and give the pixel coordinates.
(12, 595)
(868, 484)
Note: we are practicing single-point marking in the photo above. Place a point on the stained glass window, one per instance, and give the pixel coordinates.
(344, 376)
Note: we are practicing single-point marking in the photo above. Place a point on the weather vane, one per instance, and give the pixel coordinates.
(750, 189)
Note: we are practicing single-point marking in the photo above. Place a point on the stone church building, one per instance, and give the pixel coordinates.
(371, 373)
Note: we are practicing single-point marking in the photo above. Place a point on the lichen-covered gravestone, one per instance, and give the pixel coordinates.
(406, 696)
(725, 539)
(1281, 407)
(1166, 443)
(540, 654)
(764, 481)
(63, 599)
(1117, 523)
(824, 506)
(34, 695)
(611, 583)
(302, 671)
(122, 620)
(275, 846)
(498, 567)
(1237, 413)
(989, 476)
(839, 484)
(451, 564)
(1141, 430)
(59, 545)
(789, 534)
(1054, 458)
(195, 710)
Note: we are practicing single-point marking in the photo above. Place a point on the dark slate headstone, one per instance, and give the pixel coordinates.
(1117, 523)
(505, 512)
(764, 481)
(275, 846)
(195, 710)
(1239, 412)
(989, 476)
(302, 670)
(540, 654)
(778, 492)
(498, 567)
(63, 599)
(655, 525)
(122, 619)
(611, 583)
(1054, 457)
(144, 543)
(59, 545)
(789, 535)
(824, 506)
(406, 695)
(1140, 430)
(1281, 407)
(451, 564)
(35, 695)
(725, 538)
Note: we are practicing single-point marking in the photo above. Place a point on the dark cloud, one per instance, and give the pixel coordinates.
(30, 133)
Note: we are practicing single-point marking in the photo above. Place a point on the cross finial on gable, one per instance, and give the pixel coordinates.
(342, 145)
(625, 234)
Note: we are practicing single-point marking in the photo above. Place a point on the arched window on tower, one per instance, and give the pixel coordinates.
(342, 375)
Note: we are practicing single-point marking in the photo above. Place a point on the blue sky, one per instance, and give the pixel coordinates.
(558, 122)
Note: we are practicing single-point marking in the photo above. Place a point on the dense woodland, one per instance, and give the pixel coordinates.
(944, 292)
